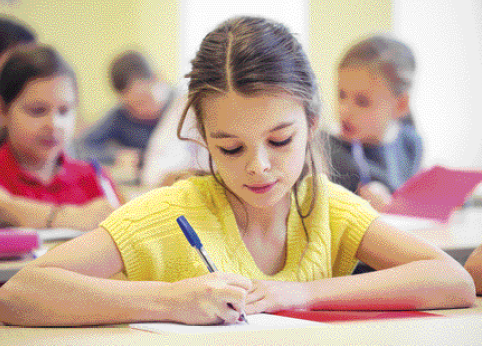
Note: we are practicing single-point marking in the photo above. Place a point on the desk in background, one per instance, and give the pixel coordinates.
(458, 237)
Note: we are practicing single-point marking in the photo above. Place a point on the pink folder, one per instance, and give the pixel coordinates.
(328, 316)
(17, 242)
(434, 193)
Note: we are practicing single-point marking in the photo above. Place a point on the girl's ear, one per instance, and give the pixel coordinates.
(403, 106)
(3, 113)
(313, 124)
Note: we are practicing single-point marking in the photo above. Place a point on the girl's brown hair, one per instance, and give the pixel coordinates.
(251, 55)
(29, 64)
(386, 55)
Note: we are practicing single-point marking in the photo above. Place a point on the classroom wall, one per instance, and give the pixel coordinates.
(448, 87)
(89, 33)
(333, 26)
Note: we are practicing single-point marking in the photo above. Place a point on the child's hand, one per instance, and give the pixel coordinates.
(377, 194)
(272, 296)
(205, 299)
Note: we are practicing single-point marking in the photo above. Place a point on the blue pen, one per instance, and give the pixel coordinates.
(105, 185)
(195, 242)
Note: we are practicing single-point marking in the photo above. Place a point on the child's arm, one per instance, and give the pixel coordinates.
(412, 274)
(18, 211)
(69, 286)
(474, 267)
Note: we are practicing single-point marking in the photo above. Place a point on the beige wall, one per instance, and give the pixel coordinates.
(333, 26)
(90, 32)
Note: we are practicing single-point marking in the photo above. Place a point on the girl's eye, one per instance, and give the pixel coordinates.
(63, 110)
(342, 95)
(281, 143)
(37, 111)
(362, 101)
(231, 151)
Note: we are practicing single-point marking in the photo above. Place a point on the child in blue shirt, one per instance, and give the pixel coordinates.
(144, 100)
(378, 147)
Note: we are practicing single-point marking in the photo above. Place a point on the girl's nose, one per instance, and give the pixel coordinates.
(259, 162)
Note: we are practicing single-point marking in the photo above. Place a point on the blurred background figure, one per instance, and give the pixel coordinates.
(378, 147)
(167, 158)
(40, 185)
(13, 33)
(120, 138)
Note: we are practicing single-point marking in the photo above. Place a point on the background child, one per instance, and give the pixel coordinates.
(167, 158)
(143, 101)
(378, 147)
(40, 185)
(280, 233)
(12, 34)
(474, 267)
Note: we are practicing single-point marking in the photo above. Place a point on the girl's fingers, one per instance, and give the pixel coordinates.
(229, 314)
(256, 307)
(254, 296)
(236, 280)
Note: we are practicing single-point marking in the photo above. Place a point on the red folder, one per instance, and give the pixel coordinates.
(349, 315)
(434, 193)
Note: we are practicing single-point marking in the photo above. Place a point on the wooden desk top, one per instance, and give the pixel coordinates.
(457, 327)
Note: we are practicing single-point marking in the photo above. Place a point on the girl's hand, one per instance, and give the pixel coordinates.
(377, 194)
(210, 299)
(272, 296)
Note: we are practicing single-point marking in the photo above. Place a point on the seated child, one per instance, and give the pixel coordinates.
(12, 34)
(167, 158)
(281, 234)
(40, 185)
(474, 267)
(378, 147)
(143, 101)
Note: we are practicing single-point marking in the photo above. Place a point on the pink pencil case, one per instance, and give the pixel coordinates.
(16, 242)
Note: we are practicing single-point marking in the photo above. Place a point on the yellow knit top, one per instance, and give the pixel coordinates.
(153, 246)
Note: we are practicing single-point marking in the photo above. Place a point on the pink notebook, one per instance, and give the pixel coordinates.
(16, 242)
(347, 316)
(434, 193)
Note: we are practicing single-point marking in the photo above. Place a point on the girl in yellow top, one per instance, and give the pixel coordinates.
(281, 234)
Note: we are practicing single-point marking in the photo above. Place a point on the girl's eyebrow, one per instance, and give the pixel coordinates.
(222, 134)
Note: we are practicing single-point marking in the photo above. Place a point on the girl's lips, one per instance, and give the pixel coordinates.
(49, 142)
(260, 188)
(347, 129)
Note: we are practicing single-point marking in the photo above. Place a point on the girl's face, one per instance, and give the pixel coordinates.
(366, 105)
(145, 98)
(41, 119)
(258, 144)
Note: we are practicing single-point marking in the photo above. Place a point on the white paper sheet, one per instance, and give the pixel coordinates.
(52, 234)
(256, 322)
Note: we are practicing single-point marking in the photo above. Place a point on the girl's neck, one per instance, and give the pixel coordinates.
(260, 220)
(44, 170)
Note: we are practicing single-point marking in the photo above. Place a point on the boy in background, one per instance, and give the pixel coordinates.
(126, 128)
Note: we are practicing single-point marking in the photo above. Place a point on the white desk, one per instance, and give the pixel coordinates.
(458, 327)
(458, 237)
